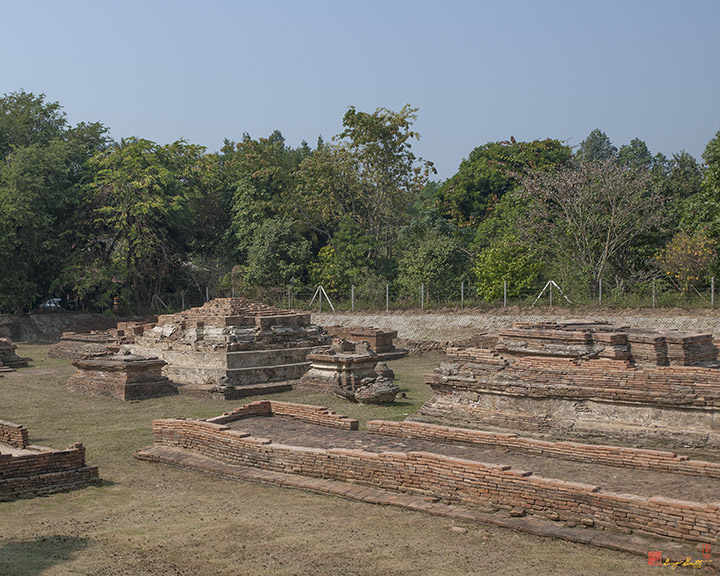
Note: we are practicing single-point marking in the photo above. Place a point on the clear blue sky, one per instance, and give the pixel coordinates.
(478, 71)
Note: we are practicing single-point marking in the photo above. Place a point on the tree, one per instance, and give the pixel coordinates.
(370, 174)
(277, 254)
(590, 213)
(140, 193)
(43, 166)
(435, 261)
(686, 259)
(490, 172)
(596, 147)
(635, 155)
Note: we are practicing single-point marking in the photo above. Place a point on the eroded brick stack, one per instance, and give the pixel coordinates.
(230, 344)
(81, 346)
(589, 380)
(8, 358)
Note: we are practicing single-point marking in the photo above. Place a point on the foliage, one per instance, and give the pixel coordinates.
(686, 259)
(492, 170)
(140, 196)
(437, 262)
(277, 256)
(590, 213)
(596, 148)
(518, 264)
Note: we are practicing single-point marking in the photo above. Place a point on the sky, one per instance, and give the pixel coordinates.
(478, 71)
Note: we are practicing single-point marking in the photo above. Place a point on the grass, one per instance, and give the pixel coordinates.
(150, 519)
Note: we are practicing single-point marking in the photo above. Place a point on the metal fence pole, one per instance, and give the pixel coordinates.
(653, 292)
(182, 298)
(352, 297)
(387, 297)
(600, 291)
(504, 293)
(207, 294)
(462, 295)
(422, 296)
(550, 295)
(712, 292)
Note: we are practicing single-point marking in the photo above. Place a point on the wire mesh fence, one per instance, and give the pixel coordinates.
(385, 296)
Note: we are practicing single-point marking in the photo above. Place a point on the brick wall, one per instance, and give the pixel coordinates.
(45, 472)
(13, 434)
(618, 456)
(313, 414)
(42, 462)
(446, 477)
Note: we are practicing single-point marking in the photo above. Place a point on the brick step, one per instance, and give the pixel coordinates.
(235, 393)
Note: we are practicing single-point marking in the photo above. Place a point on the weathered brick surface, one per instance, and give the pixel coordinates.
(466, 481)
(621, 457)
(380, 340)
(13, 434)
(307, 413)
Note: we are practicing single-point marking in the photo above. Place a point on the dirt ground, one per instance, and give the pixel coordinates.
(150, 519)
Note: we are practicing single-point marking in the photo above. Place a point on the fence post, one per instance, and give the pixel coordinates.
(550, 295)
(207, 294)
(600, 290)
(182, 299)
(289, 297)
(653, 292)
(462, 295)
(712, 292)
(352, 297)
(504, 293)
(387, 297)
(422, 296)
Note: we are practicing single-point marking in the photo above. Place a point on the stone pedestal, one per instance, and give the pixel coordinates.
(121, 376)
(350, 370)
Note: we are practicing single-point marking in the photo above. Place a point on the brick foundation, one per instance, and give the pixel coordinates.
(29, 471)
(621, 457)
(460, 480)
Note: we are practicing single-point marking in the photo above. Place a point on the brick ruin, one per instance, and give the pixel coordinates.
(121, 376)
(380, 341)
(9, 360)
(232, 347)
(584, 380)
(27, 471)
(81, 346)
(352, 371)
(431, 477)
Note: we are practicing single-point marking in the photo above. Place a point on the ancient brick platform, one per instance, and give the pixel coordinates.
(121, 376)
(449, 471)
(584, 380)
(381, 341)
(229, 344)
(9, 360)
(27, 471)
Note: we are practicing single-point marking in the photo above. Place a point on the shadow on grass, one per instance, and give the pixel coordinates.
(34, 557)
